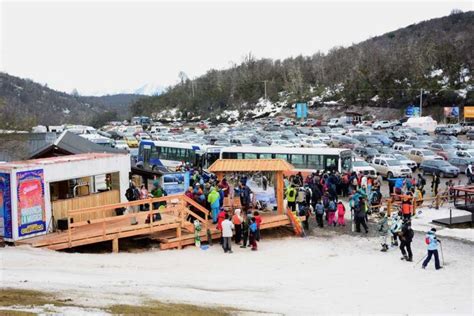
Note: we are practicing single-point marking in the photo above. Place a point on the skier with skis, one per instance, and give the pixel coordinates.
(432, 243)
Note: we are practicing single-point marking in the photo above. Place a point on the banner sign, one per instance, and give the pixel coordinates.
(31, 206)
(175, 183)
(451, 111)
(469, 112)
(5, 205)
(412, 111)
(301, 110)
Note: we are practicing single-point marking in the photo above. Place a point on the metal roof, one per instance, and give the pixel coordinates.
(236, 165)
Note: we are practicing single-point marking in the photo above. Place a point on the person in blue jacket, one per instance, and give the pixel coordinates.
(432, 243)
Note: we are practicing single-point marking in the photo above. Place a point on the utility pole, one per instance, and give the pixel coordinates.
(421, 102)
(265, 88)
(192, 87)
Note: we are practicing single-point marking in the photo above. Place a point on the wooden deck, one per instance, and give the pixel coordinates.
(174, 230)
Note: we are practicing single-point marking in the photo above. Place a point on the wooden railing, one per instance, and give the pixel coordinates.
(176, 204)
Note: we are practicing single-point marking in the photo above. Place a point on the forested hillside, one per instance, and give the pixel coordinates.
(385, 71)
(24, 103)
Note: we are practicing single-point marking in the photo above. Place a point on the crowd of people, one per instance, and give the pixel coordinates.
(317, 194)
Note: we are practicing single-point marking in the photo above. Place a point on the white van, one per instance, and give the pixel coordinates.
(402, 148)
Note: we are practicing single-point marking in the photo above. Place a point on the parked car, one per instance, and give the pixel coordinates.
(366, 152)
(131, 141)
(363, 167)
(404, 160)
(461, 163)
(442, 150)
(390, 167)
(121, 144)
(419, 155)
(401, 148)
(382, 125)
(440, 167)
(444, 130)
(470, 135)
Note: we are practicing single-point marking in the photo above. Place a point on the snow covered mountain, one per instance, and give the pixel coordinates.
(150, 89)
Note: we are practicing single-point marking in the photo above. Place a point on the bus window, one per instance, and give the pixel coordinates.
(315, 162)
(282, 156)
(229, 155)
(250, 156)
(210, 159)
(240, 156)
(331, 162)
(265, 156)
(298, 161)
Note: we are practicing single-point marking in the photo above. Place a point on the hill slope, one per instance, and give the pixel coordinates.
(388, 71)
(24, 103)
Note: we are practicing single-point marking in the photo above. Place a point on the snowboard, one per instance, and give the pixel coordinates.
(197, 233)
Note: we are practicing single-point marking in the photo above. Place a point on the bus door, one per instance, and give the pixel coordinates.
(146, 154)
(331, 163)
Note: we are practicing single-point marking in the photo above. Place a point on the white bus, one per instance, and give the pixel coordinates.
(309, 159)
(153, 154)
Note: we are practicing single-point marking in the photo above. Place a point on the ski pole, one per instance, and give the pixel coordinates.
(420, 261)
(442, 255)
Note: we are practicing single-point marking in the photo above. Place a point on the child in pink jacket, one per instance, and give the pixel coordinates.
(341, 210)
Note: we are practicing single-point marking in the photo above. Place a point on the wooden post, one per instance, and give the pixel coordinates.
(279, 192)
(103, 223)
(69, 232)
(115, 245)
(178, 229)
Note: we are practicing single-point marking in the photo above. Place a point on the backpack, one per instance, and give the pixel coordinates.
(410, 234)
(332, 206)
(130, 194)
(423, 181)
(326, 202)
(319, 210)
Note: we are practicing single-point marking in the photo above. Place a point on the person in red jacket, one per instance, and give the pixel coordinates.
(220, 219)
(258, 221)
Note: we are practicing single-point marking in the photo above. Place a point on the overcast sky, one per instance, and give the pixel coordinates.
(113, 46)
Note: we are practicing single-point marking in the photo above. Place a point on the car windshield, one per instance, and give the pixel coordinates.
(400, 157)
(372, 151)
(359, 163)
(427, 153)
(442, 163)
(393, 163)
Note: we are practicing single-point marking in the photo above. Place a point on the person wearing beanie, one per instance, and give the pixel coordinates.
(432, 243)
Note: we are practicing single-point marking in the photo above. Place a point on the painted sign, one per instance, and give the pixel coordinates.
(6, 205)
(451, 111)
(469, 112)
(175, 183)
(301, 110)
(31, 206)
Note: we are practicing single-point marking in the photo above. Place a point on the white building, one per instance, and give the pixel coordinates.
(34, 194)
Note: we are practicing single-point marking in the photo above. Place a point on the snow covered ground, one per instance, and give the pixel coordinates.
(291, 276)
(423, 222)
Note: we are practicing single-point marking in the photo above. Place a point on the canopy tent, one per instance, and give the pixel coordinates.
(278, 166)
